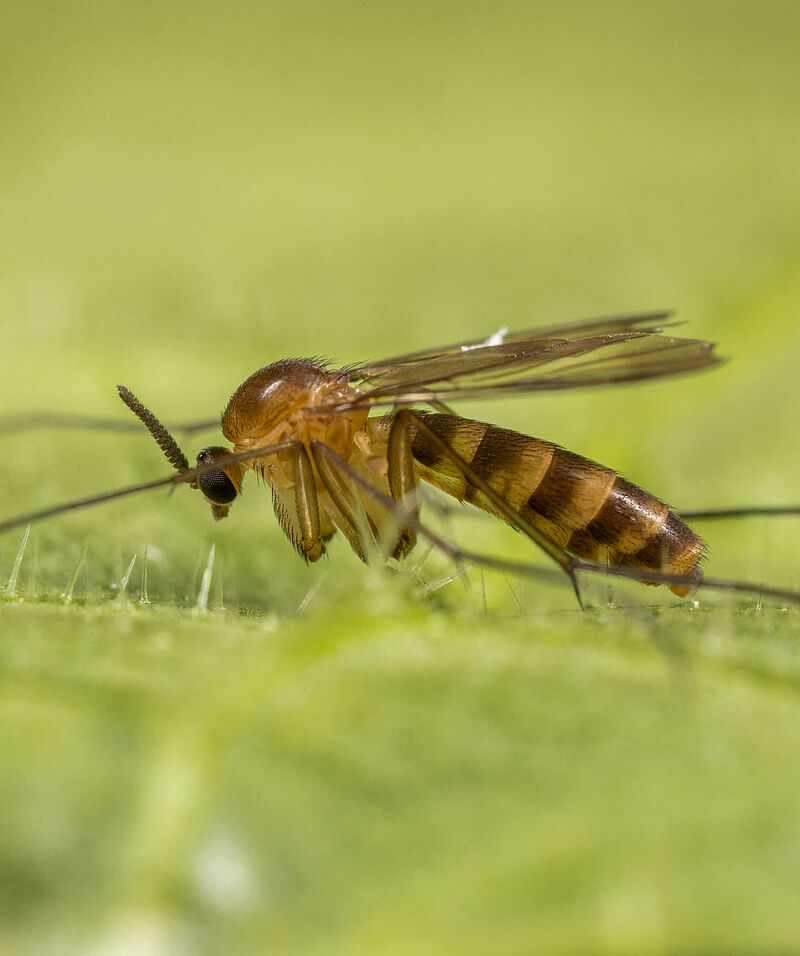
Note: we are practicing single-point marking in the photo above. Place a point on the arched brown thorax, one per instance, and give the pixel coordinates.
(278, 403)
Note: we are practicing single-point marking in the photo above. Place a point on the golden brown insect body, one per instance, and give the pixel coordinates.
(309, 433)
(584, 507)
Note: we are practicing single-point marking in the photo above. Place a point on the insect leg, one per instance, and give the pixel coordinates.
(342, 497)
(553, 550)
(757, 511)
(400, 513)
(337, 469)
(402, 477)
(572, 565)
(173, 480)
(307, 505)
(38, 421)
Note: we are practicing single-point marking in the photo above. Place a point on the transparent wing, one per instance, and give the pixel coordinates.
(597, 352)
(641, 322)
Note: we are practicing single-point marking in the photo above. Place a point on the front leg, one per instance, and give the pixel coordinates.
(297, 505)
(403, 478)
(307, 504)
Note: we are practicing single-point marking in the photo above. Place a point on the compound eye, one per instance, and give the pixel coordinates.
(217, 487)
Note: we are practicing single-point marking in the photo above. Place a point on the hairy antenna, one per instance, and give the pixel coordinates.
(166, 442)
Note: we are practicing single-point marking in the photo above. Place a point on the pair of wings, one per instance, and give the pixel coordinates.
(605, 351)
(597, 352)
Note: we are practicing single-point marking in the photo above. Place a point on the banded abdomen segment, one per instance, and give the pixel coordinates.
(586, 508)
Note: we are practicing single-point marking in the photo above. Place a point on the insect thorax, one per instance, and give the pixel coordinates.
(282, 401)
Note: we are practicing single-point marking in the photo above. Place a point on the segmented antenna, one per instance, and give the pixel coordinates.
(166, 442)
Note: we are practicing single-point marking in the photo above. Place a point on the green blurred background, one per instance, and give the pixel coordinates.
(190, 191)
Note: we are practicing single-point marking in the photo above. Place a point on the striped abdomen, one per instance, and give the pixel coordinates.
(586, 508)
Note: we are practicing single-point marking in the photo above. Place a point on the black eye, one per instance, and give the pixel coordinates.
(217, 487)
